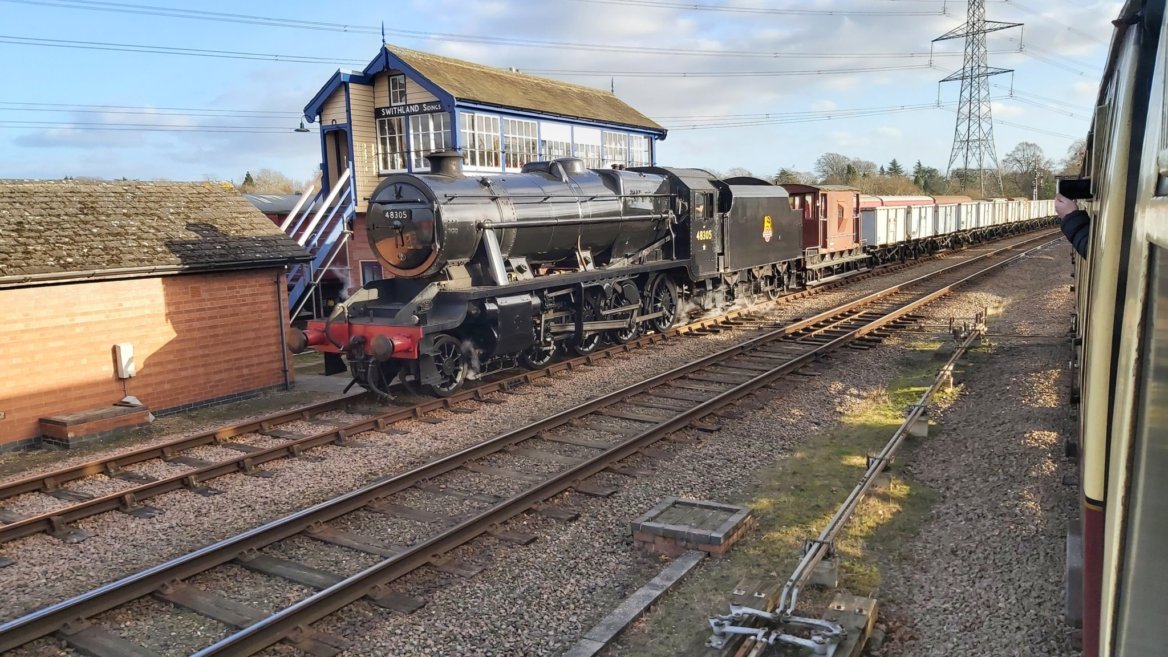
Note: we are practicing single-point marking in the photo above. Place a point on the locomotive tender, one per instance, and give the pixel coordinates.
(487, 271)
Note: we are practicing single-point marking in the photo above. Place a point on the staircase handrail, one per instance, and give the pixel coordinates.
(337, 188)
(309, 192)
(313, 280)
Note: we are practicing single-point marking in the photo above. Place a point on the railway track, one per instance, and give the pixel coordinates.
(475, 490)
(194, 474)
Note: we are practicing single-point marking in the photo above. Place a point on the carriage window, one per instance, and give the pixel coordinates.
(839, 211)
(823, 206)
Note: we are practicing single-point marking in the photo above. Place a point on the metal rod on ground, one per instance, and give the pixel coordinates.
(820, 547)
(790, 595)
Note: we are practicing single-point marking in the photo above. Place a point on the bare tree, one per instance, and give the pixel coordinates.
(268, 181)
(833, 168)
(1028, 171)
(739, 172)
(1073, 164)
(864, 168)
(792, 176)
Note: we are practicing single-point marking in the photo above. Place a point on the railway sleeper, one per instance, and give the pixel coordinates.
(286, 569)
(352, 540)
(96, 640)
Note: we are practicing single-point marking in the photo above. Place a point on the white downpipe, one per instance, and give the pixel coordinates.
(340, 184)
(308, 192)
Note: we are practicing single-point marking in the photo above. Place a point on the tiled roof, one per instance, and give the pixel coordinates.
(496, 86)
(76, 228)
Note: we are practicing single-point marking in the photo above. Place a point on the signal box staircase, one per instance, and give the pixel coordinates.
(321, 223)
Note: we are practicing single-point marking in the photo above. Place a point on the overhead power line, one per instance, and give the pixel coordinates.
(1069, 28)
(143, 127)
(168, 50)
(249, 19)
(718, 74)
(785, 118)
(15, 106)
(692, 6)
(1038, 130)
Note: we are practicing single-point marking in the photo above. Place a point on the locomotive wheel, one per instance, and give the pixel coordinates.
(773, 289)
(586, 345)
(663, 298)
(452, 363)
(536, 356)
(625, 335)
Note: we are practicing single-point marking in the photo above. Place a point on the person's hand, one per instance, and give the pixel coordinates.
(1064, 206)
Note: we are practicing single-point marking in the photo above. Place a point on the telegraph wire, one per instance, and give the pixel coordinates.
(719, 74)
(168, 50)
(18, 106)
(143, 127)
(691, 6)
(1071, 29)
(412, 34)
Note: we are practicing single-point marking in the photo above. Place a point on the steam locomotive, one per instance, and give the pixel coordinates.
(489, 271)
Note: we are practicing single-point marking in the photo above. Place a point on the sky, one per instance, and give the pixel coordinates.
(756, 84)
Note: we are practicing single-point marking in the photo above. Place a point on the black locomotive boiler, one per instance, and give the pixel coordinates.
(489, 270)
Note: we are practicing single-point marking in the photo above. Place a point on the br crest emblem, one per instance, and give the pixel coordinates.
(768, 230)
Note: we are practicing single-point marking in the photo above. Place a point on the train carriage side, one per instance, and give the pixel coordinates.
(832, 236)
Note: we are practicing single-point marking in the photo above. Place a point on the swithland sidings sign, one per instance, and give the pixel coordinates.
(404, 110)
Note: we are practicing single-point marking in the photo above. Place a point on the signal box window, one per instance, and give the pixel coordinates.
(428, 133)
(481, 140)
(519, 143)
(391, 145)
(370, 271)
(397, 90)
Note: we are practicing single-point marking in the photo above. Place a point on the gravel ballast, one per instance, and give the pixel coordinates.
(986, 573)
(531, 600)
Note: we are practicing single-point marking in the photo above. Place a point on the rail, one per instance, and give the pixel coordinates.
(746, 368)
(766, 627)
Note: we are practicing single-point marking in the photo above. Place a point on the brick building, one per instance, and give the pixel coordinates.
(405, 104)
(189, 275)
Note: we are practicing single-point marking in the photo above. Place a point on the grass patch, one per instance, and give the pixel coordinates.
(793, 499)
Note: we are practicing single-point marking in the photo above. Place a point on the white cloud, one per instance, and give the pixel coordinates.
(889, 131)
(1006, 109)
(824, 105)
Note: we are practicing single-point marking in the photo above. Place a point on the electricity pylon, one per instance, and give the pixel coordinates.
(973, 138)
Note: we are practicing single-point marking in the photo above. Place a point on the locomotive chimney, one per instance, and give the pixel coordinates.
(446, 163)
